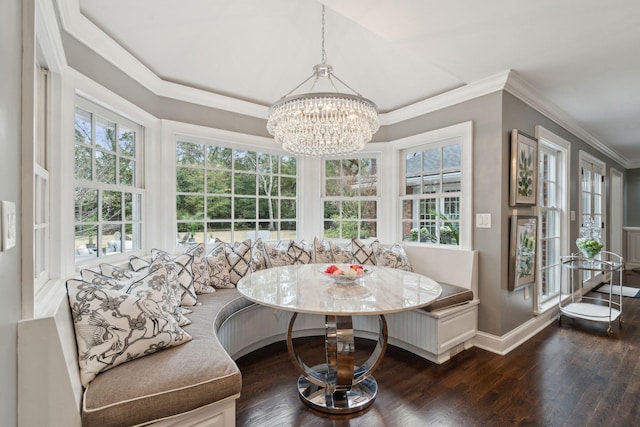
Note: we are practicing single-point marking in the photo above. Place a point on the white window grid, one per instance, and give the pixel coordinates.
(356, 203)
(109, 234)
(241, 218)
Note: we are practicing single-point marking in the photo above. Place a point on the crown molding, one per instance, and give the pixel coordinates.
(521, 89)
(455, 96)
(78, 26)
(83, 30)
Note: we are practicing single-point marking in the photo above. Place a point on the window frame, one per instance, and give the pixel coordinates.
(464, 133)
(256, 232)
(549, 142)
(126, 247)
(595, 165)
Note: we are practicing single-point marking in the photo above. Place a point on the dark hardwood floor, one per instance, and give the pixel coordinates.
(571, 374)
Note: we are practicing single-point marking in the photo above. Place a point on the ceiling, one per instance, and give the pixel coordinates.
(581, 56)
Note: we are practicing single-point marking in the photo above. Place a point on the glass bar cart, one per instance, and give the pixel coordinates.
(607, 307)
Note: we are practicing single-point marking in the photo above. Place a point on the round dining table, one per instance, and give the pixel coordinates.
(338, 386)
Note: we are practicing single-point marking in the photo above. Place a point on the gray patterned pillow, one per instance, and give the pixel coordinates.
(127, 284)
(137, 263)
(394, 257)
(239, 259)
(116, 272)
(362, 254)
(218, 267)
(301, 252)
(200, 269)
(113, 326)
(278, 253)
(182, 265)
(341, 254)
(258, 256)
(322, 251)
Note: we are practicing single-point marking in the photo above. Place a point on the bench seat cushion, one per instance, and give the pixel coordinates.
(451, 295)
(170, 381)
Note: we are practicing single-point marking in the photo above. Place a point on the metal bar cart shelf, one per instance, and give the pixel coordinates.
(607, 307)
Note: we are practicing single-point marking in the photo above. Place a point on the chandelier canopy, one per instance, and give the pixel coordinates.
(323, 123)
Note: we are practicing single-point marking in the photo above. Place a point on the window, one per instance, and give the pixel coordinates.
(592, 188)
(350, 198)
(41, 184)
(108, 183)
(431, 192)
(553, 203)
(233, 194)
(592, 198)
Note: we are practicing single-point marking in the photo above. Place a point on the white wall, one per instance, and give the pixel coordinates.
(10, 134)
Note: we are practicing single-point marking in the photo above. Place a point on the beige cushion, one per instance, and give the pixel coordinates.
(451, 295)
(172, 381)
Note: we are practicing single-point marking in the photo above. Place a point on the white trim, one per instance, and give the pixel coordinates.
(504, 344)
(78, 26)
(85, 31)
(523, 90)
(467, 92)
(616, 207)
(555, 142)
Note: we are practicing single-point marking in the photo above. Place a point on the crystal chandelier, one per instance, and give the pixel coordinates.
(323, 123)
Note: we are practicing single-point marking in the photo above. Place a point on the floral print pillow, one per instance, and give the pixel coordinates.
(113, 326)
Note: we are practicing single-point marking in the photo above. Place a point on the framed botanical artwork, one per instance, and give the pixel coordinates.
(522, 251)
(524, 169)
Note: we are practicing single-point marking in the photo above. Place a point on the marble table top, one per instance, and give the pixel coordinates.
(305, 289)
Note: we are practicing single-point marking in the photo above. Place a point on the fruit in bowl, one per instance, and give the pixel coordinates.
(346, 273)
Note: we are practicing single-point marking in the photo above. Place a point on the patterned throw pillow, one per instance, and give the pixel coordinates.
(341, 254)
(322, 251)
(182, 266)
(301, 252)
(116, 272)
(127, 284)
(200, 269)
(362, 254)
(113, 326)
(137, 263)
(258, 255)
(218, 267)
(394, 257)
(239, 259)
(278, 253)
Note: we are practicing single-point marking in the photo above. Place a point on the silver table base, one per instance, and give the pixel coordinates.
(338, 386)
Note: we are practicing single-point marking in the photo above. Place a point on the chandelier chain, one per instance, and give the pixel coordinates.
(324, 53)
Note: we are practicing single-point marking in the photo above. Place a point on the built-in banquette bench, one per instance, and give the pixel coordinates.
(198, 382)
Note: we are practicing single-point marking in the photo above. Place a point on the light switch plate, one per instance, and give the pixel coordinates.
(8, 225)
(483, 220)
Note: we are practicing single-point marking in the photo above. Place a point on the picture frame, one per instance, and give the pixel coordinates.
(524, 169)
(522, 251)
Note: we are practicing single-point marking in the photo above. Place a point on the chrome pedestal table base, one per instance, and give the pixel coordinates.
(338, 386)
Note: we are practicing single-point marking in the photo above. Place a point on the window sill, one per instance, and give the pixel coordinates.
(47, 300)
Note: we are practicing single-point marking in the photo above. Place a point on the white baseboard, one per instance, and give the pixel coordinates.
(504, 344)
